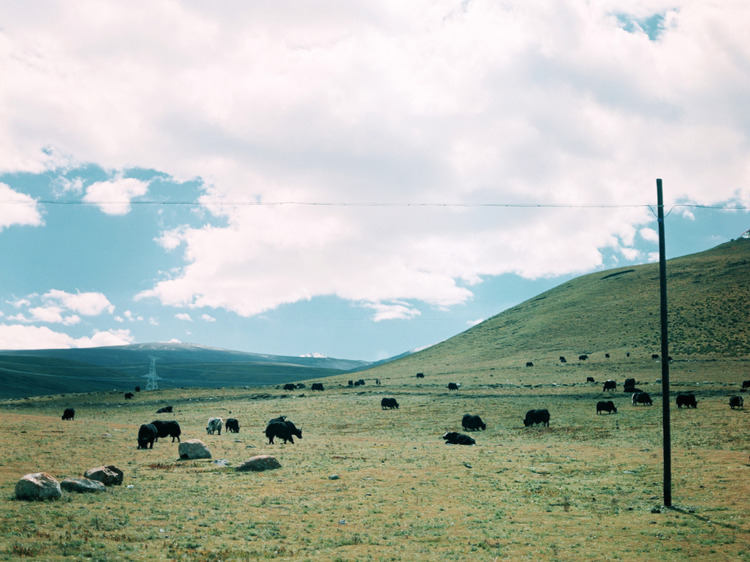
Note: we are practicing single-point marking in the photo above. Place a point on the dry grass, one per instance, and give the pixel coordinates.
(584, 487)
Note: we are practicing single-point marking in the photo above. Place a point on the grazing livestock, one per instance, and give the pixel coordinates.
(583, 357)
(609, 385)
(607, 406)
(534, 417)
(529, 364)
(360, 382)
(590, 379)
(389, 404)
(69, 414)
(351, 383)
(290, 386)
(300, 385)
(745, 384)
(317, 386)
(232, 425)
(736, 402)
(285, 430)
(167, 429)
(606, 355)
(453, 438)
(655, 356)
(472, 423)
(214, 424)
(688, 400)
(147, 434)
(453, 385)
(420, 375)
(164, 410)
(641, 398)
(129, 395)
(563, 360)
(629, 385)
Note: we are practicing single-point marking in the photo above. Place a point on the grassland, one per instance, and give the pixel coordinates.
(586, 487)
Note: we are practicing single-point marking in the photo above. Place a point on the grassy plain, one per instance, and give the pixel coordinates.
(586, 487)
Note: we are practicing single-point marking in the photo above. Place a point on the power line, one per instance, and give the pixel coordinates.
(369, 204)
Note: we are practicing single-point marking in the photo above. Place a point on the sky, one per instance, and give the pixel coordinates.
(351, 179)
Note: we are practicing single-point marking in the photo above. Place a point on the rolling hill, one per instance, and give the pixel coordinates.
(55, 371)
(615, 312)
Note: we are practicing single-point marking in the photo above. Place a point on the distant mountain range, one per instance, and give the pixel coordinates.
(56, 371)
(607, 312)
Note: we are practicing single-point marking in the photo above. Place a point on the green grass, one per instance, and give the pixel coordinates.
(585, 486)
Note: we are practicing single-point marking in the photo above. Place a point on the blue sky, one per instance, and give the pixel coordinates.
(352, 182)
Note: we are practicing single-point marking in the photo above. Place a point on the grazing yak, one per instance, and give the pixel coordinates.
(583, 357)
(283, 429)
(214, 424)
(534, 417)
(232, 425)
(563, 360)
(453, 438)
(453, 385)
(290, 386)
(745, 384)
(641, 398)
(529, 364)
(420, 375)
(317, 386)
(609, 385)
(736, 402)
(607, 406)
(629, 385)
(688, 400)
(129, 395)
(69, 414)
(472, 423)
(147, 434)
(167, 429)
(590, 379)
(164, 410)
(389, 404)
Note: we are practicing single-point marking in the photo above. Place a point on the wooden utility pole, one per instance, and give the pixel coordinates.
(667, 437)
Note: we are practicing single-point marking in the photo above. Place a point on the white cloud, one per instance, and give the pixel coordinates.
(88, 304)
(396, 102)
(183, 316)
(208, 318)
(17, 209)
(16, 336)
(114, 197)
(393, 311)
(649, 234)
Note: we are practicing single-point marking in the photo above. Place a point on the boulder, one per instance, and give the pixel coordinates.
(38, 486)
(108, 475)
(82, 485)
(193, 449)
(260, 463)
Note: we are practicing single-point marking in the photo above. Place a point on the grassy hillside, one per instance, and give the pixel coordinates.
(56, 371)
(613, 312)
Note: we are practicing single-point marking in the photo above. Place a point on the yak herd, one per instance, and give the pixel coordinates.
(281, 428)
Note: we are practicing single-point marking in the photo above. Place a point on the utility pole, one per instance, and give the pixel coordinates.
(667, 437)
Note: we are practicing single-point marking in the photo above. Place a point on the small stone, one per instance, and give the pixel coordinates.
(38, 486)
(193, 449)
(108, 475)
(260, 463)
(333, 477)
(82, 485)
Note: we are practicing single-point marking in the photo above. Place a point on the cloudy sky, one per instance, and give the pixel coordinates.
(351, 178)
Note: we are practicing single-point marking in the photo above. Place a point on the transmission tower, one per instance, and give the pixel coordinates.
(152, 377)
